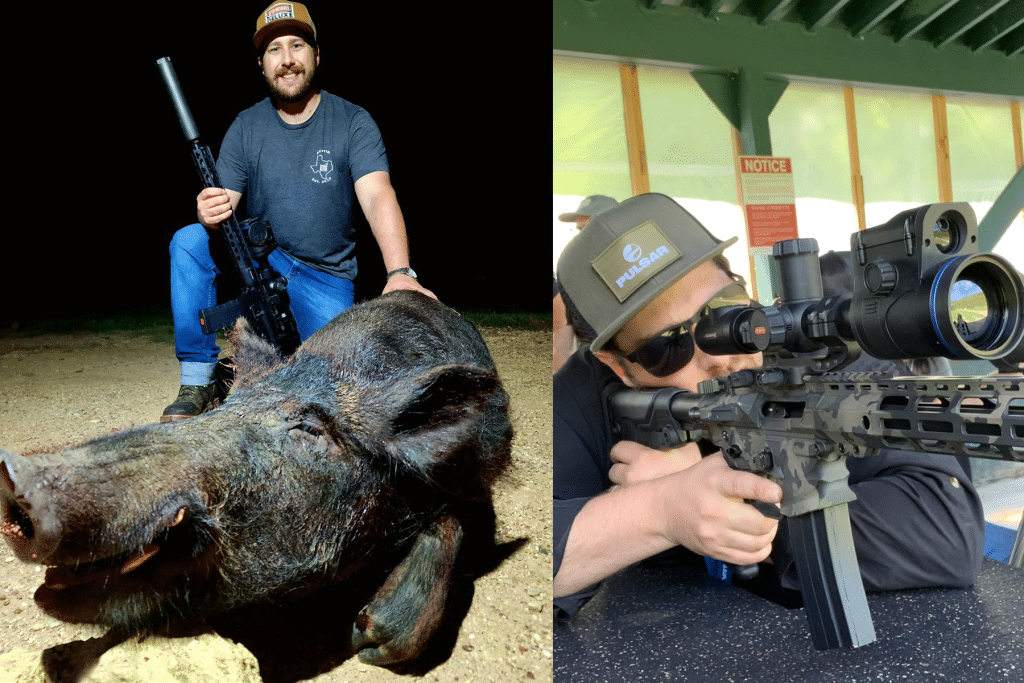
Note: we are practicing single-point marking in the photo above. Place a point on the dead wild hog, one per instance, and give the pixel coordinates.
(371, 444)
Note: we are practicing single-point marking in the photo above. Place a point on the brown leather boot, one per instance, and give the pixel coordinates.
(191, 401)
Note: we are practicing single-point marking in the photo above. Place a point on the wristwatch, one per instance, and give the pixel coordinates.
(405, 271)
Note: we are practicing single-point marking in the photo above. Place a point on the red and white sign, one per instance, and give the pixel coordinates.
(769, 200)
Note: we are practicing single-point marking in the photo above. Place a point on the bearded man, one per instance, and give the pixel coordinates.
(303, 158)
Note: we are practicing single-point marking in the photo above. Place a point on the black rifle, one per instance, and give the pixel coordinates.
(263, 299)
(796, 420)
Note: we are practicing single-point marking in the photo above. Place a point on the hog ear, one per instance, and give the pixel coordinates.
(450, 407)
(254, 356)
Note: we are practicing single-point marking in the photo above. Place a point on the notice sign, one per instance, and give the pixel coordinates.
(769, 200)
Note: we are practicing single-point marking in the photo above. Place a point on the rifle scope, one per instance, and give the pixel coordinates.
(920, 289)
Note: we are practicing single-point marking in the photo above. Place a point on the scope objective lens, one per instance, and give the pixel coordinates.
(980, 301)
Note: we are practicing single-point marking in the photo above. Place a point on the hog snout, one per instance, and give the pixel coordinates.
(28, 523)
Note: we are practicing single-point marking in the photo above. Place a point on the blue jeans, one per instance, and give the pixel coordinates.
(315, 298)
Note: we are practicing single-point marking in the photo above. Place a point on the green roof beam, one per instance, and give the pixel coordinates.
(711, 7)
(1003, 21)
(746, 99)
(909, 25)
(730, 42)
(1013, 43)
(960, 19)
(819, 12)
(863, 17)
(771, 10)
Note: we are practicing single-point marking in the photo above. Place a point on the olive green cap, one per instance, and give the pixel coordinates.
(628, 255)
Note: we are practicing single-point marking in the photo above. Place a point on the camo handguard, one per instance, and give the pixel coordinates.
(800, 436)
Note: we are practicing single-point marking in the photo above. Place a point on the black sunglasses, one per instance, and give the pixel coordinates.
(668, 352)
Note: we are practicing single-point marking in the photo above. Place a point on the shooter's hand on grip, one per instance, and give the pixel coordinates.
(714, 518)
(214, 205)
(709, 511)
(700, 507)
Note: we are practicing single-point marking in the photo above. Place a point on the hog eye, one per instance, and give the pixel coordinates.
(314, 439)
(305, 440)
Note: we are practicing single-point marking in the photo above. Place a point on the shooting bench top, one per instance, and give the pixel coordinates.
(676, 623)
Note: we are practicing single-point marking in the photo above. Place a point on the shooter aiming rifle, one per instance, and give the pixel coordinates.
(920, 290)
(263, 299)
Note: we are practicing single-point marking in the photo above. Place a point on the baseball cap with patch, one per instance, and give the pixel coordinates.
(630, 254)
(282, 15)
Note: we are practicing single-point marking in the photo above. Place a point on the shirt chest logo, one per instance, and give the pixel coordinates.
(322, 167)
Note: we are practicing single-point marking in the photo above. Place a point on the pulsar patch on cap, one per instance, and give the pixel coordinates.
(282, 10)
(635, 258)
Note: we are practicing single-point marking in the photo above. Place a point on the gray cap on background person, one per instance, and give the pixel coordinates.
(590, 206)
(628, 255)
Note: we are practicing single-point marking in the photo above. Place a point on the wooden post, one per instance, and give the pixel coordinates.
(942, 148)
(639, 178)
(856, 179)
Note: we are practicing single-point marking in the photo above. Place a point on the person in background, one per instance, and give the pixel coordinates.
(564, 342)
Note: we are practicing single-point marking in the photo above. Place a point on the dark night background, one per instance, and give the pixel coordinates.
(107, 177)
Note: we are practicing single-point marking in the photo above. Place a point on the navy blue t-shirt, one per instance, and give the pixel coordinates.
(299, 178)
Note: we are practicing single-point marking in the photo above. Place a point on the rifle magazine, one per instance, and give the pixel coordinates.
(830, 581)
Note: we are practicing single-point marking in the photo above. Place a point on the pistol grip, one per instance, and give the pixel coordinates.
(749, 571)
(744, 573)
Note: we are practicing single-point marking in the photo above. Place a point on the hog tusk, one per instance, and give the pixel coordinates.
(139, 557)
(179, 517)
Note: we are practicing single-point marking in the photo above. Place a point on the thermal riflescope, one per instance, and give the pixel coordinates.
(920, 289)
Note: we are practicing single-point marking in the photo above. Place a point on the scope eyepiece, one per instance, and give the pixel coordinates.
(725, 331)
(946, 234)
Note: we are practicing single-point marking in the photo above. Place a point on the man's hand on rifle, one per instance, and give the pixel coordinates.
(214, 205)
(700, 507)
(705, 510)
(700, 502)
(633, 463)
